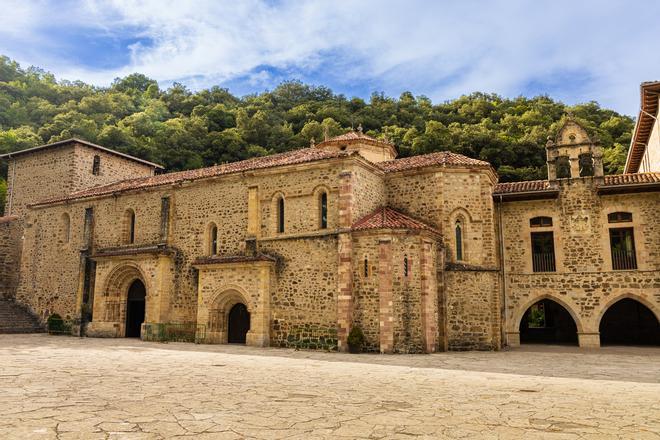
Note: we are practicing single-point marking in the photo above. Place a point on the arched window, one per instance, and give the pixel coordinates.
(459, 240)
(619, 217)
(586, 163)
(323, 210)
(406, 267)
(129, 226)
(213, 239)
(540, 222)
(366, 266)
(66, 228)
(280, 215)
(96, 166)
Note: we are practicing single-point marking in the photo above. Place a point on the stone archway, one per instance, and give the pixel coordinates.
(229, 318)
(546, 321)
(627, 321)
(123, 302)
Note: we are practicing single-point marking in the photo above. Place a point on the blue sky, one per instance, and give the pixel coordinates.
(575, 51)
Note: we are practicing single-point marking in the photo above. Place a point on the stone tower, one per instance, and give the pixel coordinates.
(573, 153)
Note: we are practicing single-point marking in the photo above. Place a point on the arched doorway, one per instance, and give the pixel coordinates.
(547, 322)
(629, 322)
(135, 305)
(238, 323)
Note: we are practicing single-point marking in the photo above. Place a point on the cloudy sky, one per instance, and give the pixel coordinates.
(576, 50)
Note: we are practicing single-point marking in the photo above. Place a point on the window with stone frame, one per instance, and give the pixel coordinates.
(458, 230)
(540, 222)
(96, 165)
(543, 251)
(129, 226)
(622, 248)
(323, 210)
(366, 267)
(212, 239)
(406, 266)
(619, 217)
(280, 215)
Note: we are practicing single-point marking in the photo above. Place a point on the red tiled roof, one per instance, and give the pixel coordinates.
(388, 218)
(525, 186)
(630, 179)
(442, 158)
(289, 158)
(610, 180)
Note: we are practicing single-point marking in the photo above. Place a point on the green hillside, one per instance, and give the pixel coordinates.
(182, 129)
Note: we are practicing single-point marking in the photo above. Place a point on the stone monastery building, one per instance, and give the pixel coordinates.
(423, 254)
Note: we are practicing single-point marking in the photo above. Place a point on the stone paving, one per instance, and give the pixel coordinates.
(71, 388)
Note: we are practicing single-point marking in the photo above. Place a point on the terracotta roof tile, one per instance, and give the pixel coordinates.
(289, 158)
(525, 186)
(442, 158)
(610, 180)
(627, 179)
(388, 218)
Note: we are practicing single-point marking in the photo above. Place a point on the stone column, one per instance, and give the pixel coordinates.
(386, 303)
(513, 339)
(345, 264)
(158, 299)
(259, 334)
(253, 212)
(428, 298)
(589, 339)
(575, 167)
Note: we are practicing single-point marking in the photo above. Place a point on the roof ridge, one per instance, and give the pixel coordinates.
(291, 157)
(386, 217)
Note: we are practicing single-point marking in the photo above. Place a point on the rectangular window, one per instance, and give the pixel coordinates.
(543, 252)
(622, 244)
(96, 166)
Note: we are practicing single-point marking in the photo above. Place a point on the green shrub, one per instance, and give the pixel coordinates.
(355, 340)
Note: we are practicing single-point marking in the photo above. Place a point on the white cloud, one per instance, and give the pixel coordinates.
(602, 50)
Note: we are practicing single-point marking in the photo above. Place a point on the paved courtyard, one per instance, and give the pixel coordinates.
(65, 387)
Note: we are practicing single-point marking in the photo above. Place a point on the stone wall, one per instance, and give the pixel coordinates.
(585, 282)
(10, 249)
(472, 309)
(58, 171)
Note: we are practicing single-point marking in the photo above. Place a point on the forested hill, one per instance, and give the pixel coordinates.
(182, 129)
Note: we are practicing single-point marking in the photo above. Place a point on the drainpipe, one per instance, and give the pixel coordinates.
(503, 275)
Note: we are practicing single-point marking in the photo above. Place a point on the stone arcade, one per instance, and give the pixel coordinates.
(424, 253)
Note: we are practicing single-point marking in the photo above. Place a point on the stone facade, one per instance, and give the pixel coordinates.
(314, 242)
(10, 248)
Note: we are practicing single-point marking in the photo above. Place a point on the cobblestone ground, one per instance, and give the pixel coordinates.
(65, 387)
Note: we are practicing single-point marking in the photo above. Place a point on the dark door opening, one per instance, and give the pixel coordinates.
(629, 322)
(547, 322)
(239, 324)
(135, 309)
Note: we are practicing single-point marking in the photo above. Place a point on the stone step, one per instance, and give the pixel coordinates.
(16, 318)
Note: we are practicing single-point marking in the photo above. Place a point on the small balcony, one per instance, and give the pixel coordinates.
(624, 260)
(543, 262)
